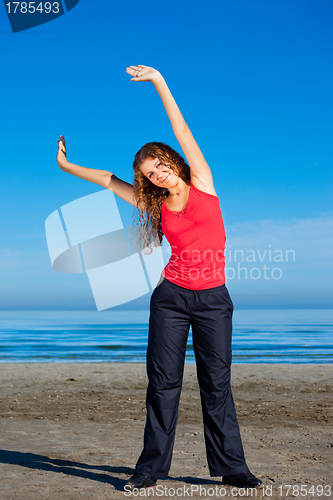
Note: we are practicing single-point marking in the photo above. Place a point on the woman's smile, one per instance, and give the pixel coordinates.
(165, 179)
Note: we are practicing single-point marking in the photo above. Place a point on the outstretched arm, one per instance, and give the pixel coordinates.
(201, 175)
(102, 177)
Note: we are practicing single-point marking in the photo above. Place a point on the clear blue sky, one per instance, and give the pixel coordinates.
(253, 79)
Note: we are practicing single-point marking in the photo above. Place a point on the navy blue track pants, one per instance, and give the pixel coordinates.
(172, 310)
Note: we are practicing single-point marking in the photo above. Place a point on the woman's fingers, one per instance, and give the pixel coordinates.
(61, 145)
(133, 71)
(142, 73)
(139, 66)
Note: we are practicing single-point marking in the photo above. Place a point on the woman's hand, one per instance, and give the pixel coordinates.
(62, 155)
(142, 73)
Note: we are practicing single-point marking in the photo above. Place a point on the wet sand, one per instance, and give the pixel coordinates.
(73, 431)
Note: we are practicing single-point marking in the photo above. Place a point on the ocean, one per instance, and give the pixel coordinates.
(259, 336)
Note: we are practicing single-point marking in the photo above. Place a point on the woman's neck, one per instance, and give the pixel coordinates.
(180, 188)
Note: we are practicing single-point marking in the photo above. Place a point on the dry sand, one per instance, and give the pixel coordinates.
(74, 431)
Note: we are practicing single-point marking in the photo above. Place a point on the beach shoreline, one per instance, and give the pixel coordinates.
(72, 431)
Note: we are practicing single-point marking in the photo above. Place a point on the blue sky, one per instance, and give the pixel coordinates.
(253, 79)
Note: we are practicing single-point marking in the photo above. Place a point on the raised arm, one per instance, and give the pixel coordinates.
(102, 177)
(201, 175)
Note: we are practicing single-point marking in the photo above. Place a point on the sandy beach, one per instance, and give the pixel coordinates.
(72, 431)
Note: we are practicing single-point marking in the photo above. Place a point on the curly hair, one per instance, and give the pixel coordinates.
(150, 197)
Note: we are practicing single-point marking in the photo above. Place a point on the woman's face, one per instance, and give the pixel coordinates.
(158, 173)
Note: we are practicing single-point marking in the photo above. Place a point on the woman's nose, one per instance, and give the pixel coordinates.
(158, 173)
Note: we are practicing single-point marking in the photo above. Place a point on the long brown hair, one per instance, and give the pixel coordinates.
(150, 197)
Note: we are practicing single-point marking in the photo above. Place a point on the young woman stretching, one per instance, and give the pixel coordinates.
(179, 201)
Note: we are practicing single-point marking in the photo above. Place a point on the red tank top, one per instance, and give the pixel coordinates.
(197, 239)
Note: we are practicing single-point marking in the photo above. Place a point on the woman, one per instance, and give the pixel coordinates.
(179, 201)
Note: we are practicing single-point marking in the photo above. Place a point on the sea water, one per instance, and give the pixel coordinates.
(259, 336)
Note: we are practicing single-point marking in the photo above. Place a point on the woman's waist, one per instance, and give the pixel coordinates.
(195, 277)
(188, 287)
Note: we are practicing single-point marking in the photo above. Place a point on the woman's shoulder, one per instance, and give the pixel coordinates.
(200, 188)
